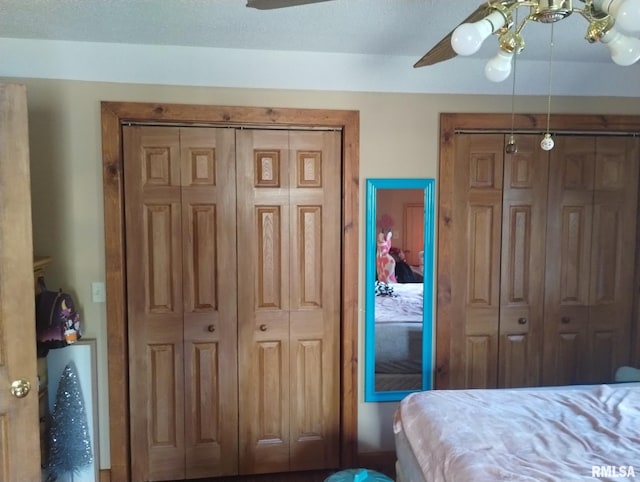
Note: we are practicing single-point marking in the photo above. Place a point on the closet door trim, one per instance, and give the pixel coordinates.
(447, 323)
(116, 114)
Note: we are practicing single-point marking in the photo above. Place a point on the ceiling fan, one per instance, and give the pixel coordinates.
(615, 23)
(611, 22)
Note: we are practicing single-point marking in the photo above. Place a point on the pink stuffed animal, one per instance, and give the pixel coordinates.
(385, 264)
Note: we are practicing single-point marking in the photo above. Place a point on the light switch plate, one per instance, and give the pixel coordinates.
(98, 294)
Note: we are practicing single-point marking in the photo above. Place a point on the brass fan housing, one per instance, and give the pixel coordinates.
(511, 42)
(598, 28)
(550, 11)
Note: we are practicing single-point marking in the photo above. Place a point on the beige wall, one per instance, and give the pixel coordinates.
(397, 130)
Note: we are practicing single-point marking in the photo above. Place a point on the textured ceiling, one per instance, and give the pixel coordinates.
(347, 45)
(380, 27)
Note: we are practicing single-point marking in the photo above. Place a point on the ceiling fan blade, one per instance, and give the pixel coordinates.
(443, 49)
(271, 4)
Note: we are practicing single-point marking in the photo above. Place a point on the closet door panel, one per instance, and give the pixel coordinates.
(204, 417)
(477, 215)
(569, 228)
(610, 301)
(307, 332)
(264, 409)
(269, 401)
(612, 255)
(479, 366)
(154, 295)
(263, 300)
(569, 354)
(210, 319)
(315, 299)
(289, 304)
(516, 355)
(522, 268)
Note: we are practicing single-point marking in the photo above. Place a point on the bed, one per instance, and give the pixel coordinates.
(398, 335)
(545, 434)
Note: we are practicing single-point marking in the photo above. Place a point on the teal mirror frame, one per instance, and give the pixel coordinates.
(372, 186)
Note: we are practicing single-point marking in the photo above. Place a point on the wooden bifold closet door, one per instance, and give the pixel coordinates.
(233, 291)
(591, 246)
(543, 260)
(498, 284)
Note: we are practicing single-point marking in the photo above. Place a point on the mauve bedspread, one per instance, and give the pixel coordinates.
(554, 434)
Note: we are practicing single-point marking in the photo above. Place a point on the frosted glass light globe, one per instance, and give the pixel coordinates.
(624, 50)
(467, 38)
(547, 142)
(499, 67)
(625, 12)
(627, 15)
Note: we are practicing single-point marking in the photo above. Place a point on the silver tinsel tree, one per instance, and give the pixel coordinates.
(69, 440)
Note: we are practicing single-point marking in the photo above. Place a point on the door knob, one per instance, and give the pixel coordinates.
(522, 321)
(565, 320)
(263, 327)
(20, 388)
(211, 328)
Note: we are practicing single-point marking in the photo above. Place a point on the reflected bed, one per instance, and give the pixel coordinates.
(398, 329)
(534, 434)
(404, 304)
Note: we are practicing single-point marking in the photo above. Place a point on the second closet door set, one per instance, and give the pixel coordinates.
(233, 295)
(543, 260)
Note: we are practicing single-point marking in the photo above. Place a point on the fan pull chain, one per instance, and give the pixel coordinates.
(512, 147)
(547, 142)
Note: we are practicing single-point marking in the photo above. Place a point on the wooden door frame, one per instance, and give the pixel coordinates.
(113, 116)
(450, 123)
(405, 224)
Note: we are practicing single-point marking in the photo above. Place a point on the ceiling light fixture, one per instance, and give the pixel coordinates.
(614, 23)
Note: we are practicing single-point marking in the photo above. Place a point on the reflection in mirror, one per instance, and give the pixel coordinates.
(399, 287)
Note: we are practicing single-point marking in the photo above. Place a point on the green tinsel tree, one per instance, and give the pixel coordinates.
(69, 438)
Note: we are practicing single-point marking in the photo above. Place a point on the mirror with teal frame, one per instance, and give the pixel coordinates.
(398, 348)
